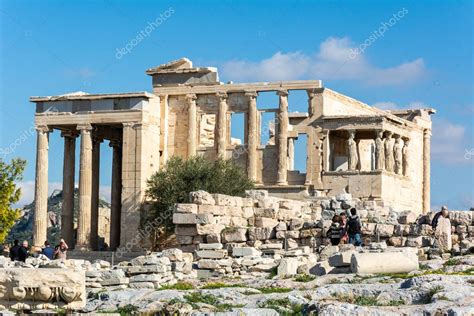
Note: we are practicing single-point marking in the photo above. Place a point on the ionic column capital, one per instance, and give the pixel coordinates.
(251, 94)
(222, 96)
(43, 128)
(85, 128)
(426, 133)
(282, 93)
(191, 97)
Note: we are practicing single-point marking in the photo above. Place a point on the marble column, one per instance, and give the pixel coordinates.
(192, 126)
(252, 136)
(426, 170)
(406, 156)
(116, 198)
(40, 224)
(291, 154)
(67, 210)
(95, 193)
(283, 122)
(222, 125)
(85, 189)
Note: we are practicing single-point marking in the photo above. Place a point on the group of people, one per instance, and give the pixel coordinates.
(345, 229)
(20, 253)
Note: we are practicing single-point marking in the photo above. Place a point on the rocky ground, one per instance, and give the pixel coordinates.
(439, 288)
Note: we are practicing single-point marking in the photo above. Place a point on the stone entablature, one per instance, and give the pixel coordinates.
(350, 145)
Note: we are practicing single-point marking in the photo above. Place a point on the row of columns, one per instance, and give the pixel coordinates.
(252, 141)
(88, 213)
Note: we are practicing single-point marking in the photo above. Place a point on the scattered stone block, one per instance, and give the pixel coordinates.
(201, 198)
(384, 262)
(185, 208)
(245, 252)
(211, 254)
(288, 267)
(233, 234)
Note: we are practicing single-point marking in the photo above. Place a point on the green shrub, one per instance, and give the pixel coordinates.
(173, 183)
(304, 278)
(181, 286)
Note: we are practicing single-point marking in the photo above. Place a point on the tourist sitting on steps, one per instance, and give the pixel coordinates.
(24, 251)
(15, 251)
(335, 231)
(343, 223)
(48, 251)
(60, 250)
(444, 212)
(353, 228)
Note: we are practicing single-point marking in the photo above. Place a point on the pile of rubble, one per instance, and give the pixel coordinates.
(271, 224)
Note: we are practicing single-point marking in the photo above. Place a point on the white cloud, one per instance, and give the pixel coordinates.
(82, 73)
(448, 143)
(28, 192)
(335, 60)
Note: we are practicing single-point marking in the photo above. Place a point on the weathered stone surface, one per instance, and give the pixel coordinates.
(341, 259)
(186, 230)
(234, 235)
(288, 267)
(212, 254)
(173, 254)
(186, 208)
(63, 288)
(181, 218)
(210, 229)
(261, 233)
(384, 262)
(384, 230)
(245, 252)
(201, 198)
(443, 234)
(265, 222)
(407, 217)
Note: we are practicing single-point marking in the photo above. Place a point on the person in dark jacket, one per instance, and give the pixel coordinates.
(23, 251)
(335, 231)
(48, 251)
(353, 228)
(444, 212)
(15, 250)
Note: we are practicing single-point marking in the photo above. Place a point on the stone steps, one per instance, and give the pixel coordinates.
(109, 256)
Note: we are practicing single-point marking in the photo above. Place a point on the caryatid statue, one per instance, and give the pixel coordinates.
(388, 145)
(398, 154)
(353, 155)
(406, 156)
(379, 151)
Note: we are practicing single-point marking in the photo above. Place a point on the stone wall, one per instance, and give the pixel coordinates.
(265, 222)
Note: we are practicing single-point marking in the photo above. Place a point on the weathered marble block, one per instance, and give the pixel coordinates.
(31, 289)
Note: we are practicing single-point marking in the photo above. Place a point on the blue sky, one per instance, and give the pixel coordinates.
(423, 59)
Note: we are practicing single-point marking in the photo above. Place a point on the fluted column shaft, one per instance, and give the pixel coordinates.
(192, 120)
(85, 189)
(222, 125)
(40, 224)
(252, 136)
(116, 199)
(67, 210)
(95, 193)
(426, 170)
(283, 122)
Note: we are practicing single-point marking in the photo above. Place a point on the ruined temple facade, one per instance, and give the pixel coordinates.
(351, 147)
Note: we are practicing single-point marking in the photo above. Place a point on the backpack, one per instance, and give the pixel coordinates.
(353, 225)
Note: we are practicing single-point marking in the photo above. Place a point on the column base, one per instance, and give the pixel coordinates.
(282, 183)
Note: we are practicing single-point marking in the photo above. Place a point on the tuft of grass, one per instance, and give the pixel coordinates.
(304, 278)
(180, 286)
(128, 309)
(197, 297)
(268, 290)
(432, 292)
(273, 273)
(452, 262)
(283, 306)
(366, 300)
(219, 285)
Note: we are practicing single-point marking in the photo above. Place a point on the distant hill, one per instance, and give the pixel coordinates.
(23, 228)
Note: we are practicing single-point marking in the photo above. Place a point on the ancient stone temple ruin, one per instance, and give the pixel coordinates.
(377, 155)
